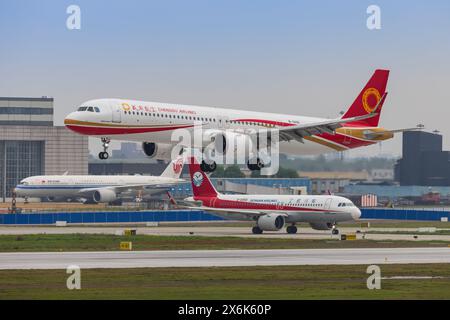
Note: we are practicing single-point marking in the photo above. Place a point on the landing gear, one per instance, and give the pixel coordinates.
(291, 229)
(104, 154)
(257, 230)
(208, 167)
(334, 230)
(253, 165)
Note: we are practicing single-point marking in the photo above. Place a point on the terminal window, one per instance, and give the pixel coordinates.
(18, 160)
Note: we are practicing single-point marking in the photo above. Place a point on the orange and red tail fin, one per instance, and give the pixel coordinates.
(201, 185)
(368, 99)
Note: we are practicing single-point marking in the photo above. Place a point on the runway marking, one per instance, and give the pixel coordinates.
(222, 258)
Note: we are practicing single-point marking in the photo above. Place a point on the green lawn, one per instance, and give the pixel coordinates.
(286, 282)
(94, 242)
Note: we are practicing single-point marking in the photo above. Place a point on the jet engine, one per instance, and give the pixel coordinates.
(104, 195)
(158, 151)
(227, 141)
(321, 225)
(271, 222)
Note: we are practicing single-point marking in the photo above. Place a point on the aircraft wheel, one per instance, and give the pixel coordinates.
(103, 155)
(208, 167)
(335, 231)
(291, 229)
(257, 230)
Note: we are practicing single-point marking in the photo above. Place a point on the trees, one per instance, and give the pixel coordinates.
(227, 172)
(282, 173)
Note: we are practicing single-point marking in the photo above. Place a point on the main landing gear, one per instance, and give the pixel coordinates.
(255, 165)
(257, 230)
(104, 154)
(208, 167)
(291, 229)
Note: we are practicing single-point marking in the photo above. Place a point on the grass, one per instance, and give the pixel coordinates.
(99, 242)
(437, 232)
(284, 282)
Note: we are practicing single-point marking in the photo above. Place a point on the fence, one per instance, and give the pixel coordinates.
(191, 215)
(106, 217)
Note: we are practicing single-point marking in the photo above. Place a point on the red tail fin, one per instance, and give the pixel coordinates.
(201, 185)
(368, 99)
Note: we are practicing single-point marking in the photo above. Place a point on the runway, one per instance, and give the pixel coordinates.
(243, 232)
(222, 258)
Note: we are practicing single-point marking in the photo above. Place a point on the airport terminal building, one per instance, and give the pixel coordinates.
(31, 145)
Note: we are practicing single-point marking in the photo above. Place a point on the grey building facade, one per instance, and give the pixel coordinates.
(424, 163)
(30, 144)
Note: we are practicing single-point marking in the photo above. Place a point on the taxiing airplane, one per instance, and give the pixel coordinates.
(271, 212)
(98, 188)
(153, 124)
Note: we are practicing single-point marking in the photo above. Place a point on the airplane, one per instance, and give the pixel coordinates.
(97, 188)
(270, 212)
(153, 124)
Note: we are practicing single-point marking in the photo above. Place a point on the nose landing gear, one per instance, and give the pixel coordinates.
(334, 229)
(104, 154)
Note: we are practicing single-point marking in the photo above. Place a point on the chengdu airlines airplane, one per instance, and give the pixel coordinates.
(270, 212)
(154, 123)
(97, 188)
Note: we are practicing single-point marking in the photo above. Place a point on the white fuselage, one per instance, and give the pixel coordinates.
(70, 186)
(297, 208)
(142, 121)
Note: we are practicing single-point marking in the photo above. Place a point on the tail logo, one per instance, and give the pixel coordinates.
(365, 99)
(197, 179)
(177, 166)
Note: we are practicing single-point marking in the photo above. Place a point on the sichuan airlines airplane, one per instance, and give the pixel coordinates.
(97, 188)
(271, 212)
(154, 123)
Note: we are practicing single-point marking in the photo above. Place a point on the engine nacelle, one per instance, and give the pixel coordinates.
(321, 225)
(231, 142)
(158, 151)
(271, 222)
(104, 195)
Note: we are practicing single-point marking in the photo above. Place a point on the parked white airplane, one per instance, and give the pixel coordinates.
(271, 212)
(153, 124)
(97, 188)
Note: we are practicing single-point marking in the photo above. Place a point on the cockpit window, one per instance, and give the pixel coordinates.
(24, 183)
(90, 109)
(82, 108)
(96, 109)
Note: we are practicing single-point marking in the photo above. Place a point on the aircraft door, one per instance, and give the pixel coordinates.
(222, 122)
(327, 203)
(116, 113)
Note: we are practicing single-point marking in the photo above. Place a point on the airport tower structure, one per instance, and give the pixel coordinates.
(423, 161)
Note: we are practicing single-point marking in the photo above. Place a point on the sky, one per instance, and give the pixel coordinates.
(297, 57)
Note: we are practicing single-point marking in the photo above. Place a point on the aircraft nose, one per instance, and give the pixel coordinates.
(70, 118)
(356, 213)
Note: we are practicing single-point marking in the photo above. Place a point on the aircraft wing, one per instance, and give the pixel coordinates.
(133, 187)
(327, 126)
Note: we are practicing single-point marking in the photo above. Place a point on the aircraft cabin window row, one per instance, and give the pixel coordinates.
(149, 114)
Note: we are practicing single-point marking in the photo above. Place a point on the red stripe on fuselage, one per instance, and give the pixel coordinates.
(91, 130)
(235, 204)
